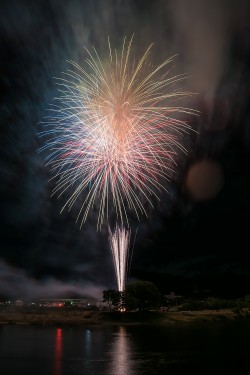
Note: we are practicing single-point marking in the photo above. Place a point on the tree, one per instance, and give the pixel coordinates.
(112, 298)
(143, 295)
(68, 303)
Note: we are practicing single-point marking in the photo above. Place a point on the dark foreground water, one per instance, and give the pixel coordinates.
(207, 348)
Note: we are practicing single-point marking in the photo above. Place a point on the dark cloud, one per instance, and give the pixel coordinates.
(41, 248)
(15, 283)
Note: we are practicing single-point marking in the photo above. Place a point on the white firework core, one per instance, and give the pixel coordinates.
(119, 243)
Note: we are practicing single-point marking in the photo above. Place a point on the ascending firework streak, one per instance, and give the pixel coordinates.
(112, 134)
(119, 243)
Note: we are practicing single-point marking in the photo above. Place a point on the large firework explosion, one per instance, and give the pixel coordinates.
(112, 136)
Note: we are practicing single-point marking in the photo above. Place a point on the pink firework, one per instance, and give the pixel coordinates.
(113, 135)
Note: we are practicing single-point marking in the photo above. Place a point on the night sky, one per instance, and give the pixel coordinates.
(197, 236)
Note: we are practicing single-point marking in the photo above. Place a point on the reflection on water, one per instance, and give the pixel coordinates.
(121, 353)
(88, 342)
(209, 348)
(58, 353)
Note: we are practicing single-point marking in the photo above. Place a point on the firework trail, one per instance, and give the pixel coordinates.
(111, 135)
(119, 243)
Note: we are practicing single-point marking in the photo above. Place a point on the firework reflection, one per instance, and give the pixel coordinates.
(122, 354)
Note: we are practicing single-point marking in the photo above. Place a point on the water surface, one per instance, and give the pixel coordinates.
(195, 348)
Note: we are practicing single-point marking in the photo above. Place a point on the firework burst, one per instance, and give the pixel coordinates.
(112, 135)
(119, 243)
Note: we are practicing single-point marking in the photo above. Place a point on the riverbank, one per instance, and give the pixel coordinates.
(61, 316)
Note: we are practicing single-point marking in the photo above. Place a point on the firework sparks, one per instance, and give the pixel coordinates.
(112, 135)
(119, 244)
